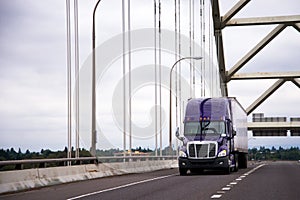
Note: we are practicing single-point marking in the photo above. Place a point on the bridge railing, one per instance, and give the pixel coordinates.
(55, 162)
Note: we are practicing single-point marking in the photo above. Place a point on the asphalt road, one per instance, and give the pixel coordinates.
(277, 180)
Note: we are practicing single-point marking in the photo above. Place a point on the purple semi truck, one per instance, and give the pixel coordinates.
(215, 136)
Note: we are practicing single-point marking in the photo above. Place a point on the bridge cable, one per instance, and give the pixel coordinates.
(76, 77)
(160, 80)
(190, 46)
(155, 78)
(176, 58)
(193, 45)
(204, 47)
(129, 77)
(211, 50)
(124, 75)
(179, 64)
(176, 77)
(201, 46)
(69, 80)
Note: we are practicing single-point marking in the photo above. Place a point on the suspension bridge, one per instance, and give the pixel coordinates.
(143, 56)
(192, 30)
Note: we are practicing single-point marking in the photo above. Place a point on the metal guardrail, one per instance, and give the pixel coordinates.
(77, 161)
(138, 157)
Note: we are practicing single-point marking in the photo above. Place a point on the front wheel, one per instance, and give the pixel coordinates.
(182, 171)
(227, 170)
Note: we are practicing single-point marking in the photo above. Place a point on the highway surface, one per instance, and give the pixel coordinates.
(273, 180)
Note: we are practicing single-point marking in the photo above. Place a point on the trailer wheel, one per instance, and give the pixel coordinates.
(243, 160)
(182, 171)
(246, 161)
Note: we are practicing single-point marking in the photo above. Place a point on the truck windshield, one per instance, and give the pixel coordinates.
(207, 127)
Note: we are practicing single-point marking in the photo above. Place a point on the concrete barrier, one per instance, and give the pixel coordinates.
(12, 181)
(18, 180)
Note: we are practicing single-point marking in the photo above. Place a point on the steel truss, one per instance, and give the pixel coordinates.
(220, 22)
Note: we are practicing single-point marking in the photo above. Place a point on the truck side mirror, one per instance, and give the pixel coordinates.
(234, 131)
(178, 134)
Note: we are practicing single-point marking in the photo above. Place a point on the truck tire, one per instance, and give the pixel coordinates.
(243, 162)
(227, 170)
(182, 171)
(236, 160)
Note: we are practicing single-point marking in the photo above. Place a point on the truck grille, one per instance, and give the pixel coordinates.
(202, 149)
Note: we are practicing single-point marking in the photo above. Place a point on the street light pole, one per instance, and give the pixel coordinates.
(94, 131)
(170, 97)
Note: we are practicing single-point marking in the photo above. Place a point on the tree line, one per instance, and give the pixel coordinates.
(274, 154)
(12, 154)
(262, 153)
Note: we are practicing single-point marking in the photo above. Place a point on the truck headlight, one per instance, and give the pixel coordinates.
(182, 154)
(222, 153)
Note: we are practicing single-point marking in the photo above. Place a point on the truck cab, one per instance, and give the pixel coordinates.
(209, 136)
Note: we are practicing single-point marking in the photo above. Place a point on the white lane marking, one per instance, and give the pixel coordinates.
(226, 188)
(216, 196)
(254, 169)
(121, 186)
(229, 186)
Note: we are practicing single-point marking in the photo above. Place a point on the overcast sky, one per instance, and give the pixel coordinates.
(33, 100)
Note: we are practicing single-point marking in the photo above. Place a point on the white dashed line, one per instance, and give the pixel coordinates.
(216, 196)
(226, 188)
(229, 186)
